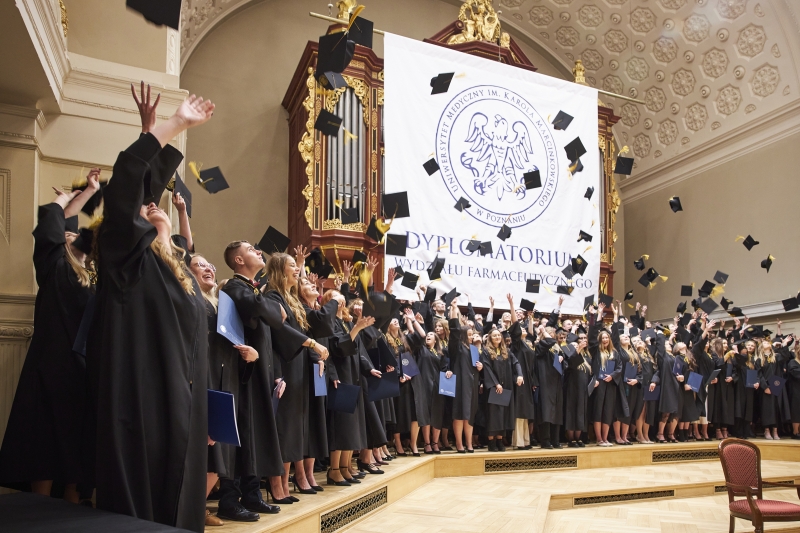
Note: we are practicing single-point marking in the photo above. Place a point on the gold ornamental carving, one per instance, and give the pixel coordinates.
(316, 196)
(332, 98)
(346, 8)
(480, 23)
(361, 89)
(306, 147)
(336, 223)
(579, 72)
(64, 19)
(380, 96)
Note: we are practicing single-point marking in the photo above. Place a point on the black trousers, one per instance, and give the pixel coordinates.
(549, 432)
(248, 488)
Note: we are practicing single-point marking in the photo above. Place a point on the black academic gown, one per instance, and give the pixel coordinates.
(793, 387)
(523, 396)
(43, 436)
(260, 454)
(373, 411)
(577, 393)
(649, 369)
(425, 384)
(149, 344)
(606, 393)
(223, 375)
(500, 371)
(773, 407)
(670, 399)
(551, 391)
(689, 409)
(465, 402)
(743, 396)
(347, 431)
(723, 398)
(301, 420)
(404, 405)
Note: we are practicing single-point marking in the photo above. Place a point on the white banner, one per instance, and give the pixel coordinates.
(489, 129)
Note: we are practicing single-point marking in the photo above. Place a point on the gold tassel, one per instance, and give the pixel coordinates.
(349, 136)
(587, 249)
(193, 168)
(356, 12)
(461, 75)
(739, 238)
(80, 181)
(716, 291)
(630, 305)
(646, 257)
(338, 203)
(663, 278)
(547, 289)
(651, 285)
(624, 151)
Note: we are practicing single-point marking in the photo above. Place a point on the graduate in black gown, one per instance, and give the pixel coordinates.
(605, 395)
(578, 377)
(643, 414)
(669, 401)
(426, 397)
(501, 371)
(524, 407)
(773, 406)
(551, 391)
(793, 386)
(302, 431)
(260, 454)
(43, 436)
(465, 403)
(150, 369)
(722, 405)
(743, 399)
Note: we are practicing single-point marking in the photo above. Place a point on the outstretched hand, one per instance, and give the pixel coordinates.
(64, 198)
(194, 111)
(147, 112)
(179, 202)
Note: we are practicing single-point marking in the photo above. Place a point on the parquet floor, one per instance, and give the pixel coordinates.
(520, 502)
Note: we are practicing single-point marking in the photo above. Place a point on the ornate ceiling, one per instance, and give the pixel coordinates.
(702, 67)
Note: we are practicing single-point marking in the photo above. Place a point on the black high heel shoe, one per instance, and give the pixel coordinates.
(302, 491)
(368, 468)
(351, 480)
(343, 483)
(282, 501)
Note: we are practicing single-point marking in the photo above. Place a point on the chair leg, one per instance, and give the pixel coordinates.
(733, 525)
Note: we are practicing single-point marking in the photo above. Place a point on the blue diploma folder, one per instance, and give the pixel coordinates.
(751, 378)
(320, 382)
(504, 398)
(229, 325)
(410, 367)
(447, 387)
(677, 367)
(83, 329)
(728, 370)
(386, 386)
(343, 398)
(651, 396)
(609, 369)
(556, 364)
(630, 372)
(222, 418)
(775, 385)
(475, 355)
(695, 381)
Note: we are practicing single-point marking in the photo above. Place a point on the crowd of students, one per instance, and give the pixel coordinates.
(126, 420)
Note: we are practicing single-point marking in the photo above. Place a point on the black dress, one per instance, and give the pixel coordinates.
(465, 402)
(148, 349)
(43, 436)
(347, 431)
(523, 396)
(302, 431)
(501, 371)
(260, 454)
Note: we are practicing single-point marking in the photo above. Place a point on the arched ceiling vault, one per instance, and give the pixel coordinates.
(703, 67)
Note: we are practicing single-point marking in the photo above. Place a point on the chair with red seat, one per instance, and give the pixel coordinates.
(741, 464)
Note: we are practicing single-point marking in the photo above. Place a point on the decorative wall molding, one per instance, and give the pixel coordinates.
(5, 204)
(173, 52)
(26, 112)
(16, 330)
(17, 299)
(755, 135)
(73, 162)
(43, 20)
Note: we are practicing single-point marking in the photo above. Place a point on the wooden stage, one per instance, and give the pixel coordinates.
(641, 487)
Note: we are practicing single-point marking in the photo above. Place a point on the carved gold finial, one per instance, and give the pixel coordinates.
(346, 8)
(64, 19)
(579, 72)
(480, 23)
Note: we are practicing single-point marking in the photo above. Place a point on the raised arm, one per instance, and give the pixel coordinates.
(92, 186)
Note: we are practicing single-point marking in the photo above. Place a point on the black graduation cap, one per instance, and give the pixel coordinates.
(273, 241)
(564, 289)
(588, 301)
(628, 296)
(725, 303)
(431, 166)
(583, 236)
(533, 180)
(579, 264)
(359, 257)
(462, 204)
(675, 204)
(589, 192)
(568, 272)
(721, 277)
(435, 270)
(709, 305)
(212, 180)
(71, 224)
(754, 331)
(526, 304)
(504, 233)
(562, 120)
(450, 296)
(398, 272)
(639, 264)
(532, 285)
(94, 201)
(790, 303)
(410, 280)
(361, 32)
(696, 303)
(687, 290)
(181, 188)
(605, 299)
(441, 83)
(396, 244)
(84, 240)
(651, 274)
(736, 312)
(332, 80)
(335, 53)
(486, 248)
(681, 308)
(430, 295)
(749, 242)
(473, 245)
(159, 12)
(317, 264)
(328, 123)
(378, 305)
(395, 205)
(706, 289)
(644, 281)
(624, 165)
(372, 230)
(350, 215)
(574, 150)
(767, 263)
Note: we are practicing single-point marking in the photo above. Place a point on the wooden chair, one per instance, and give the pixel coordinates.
(741, 463)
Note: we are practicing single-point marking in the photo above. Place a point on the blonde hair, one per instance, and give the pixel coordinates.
(500, 351)
(328, 296)
(760, 353)
(172, 256)
(604, 355)
(633, 357)
(445, 328)
(84, 276)
(277, 282)
(211, 296)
